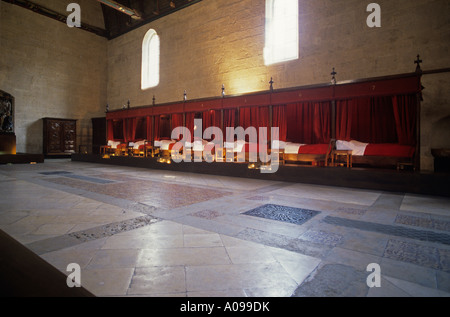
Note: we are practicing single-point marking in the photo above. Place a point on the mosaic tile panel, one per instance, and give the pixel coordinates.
(258, 198)
(80, 177)
(207, 214)
(423, 235)
(322, 237)
(55, 173)
(75, 238)
(423, 222)
(113, 228)
(426, 256)
(293, 215)
(351, 211)
(156, 194)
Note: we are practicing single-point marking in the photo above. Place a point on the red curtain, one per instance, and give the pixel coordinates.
(141, 129)
(157, 133)
(255, 117)
(129, 129)
(211, 118)
(125, 131)
(118, 129)
(245, 117)
(309, 122)
(149, 128)
(344, 119)
(405, 113)
(229, 121)
(263, 117)
(369, 119)
(190, 116)
(110, 130)
(177, 121)
(279, 120)
(322, 123)
(132, 123)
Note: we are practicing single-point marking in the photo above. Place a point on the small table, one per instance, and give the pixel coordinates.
(104, 149)
(336, 154)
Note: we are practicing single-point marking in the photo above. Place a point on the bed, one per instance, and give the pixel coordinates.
(313, 154)
(379, 154)
(115, 148)
(163, 147)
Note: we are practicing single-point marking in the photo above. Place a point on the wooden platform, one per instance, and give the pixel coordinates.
(375, 179)
(21, 158)
(25, 274)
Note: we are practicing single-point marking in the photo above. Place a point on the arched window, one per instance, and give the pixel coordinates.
(281, 31)
(150, 60)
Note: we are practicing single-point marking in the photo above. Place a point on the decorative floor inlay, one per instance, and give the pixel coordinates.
(293, 215)
(80, 177)
(55, 173)
(156, 194)
(351, 211)
(258, 198)
(322, 237)
(75, 238)
(427, 256)
(207, 214)
(423, 235)
(113, 228)
(423, 222)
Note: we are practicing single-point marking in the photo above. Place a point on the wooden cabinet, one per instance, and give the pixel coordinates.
(60, 136)
(98, 134)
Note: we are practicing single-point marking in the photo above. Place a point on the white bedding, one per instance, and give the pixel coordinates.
(113, 144)
(164, 144)
(136, 145)
(199, 146)
(277, 144)
(292, 148)
(357, 148)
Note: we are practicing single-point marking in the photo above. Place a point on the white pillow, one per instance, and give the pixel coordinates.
(343, 145)
(279, 144)
(138, 144)
(113, 144)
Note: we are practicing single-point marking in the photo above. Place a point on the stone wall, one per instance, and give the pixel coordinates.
(51, 70)
(435, 117)
(221, 42)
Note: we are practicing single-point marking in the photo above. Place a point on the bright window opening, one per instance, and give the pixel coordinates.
(281, 31)
(150, 60)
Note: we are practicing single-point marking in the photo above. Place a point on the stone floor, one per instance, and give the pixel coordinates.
(141, 232)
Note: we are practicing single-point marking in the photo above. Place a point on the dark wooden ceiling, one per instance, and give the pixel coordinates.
(118, 23)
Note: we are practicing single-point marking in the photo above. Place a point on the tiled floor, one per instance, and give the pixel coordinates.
(141, 232)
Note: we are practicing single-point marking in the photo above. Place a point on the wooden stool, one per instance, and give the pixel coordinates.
(336, 154)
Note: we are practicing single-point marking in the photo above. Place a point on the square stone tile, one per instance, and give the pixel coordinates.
(54, 229)
(202, 240)
(107, 282)
(112, 258)
(161, 281)
(239, 276)
(183, 257)
(144, 242)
